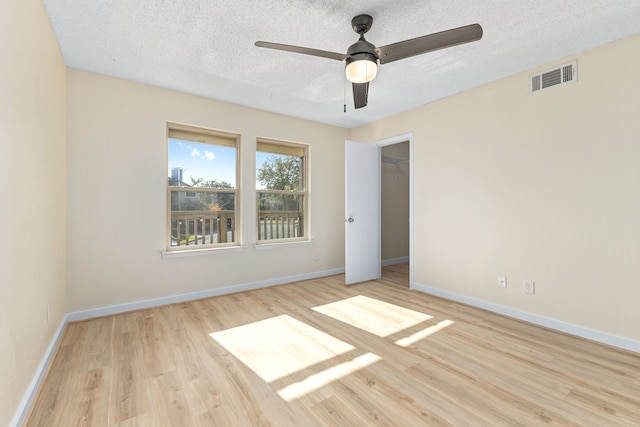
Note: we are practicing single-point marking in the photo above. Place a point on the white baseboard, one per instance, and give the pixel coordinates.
(155, 302)
(590, 334)
(23, 408)
(392, 261)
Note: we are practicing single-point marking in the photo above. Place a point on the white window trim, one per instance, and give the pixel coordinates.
(281, 244)
(190, 250)
(200, 252)
(267, 244)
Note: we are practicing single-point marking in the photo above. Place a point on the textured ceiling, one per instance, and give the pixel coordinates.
(206, 47)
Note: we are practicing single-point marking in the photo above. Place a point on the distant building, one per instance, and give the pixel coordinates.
(181, 200)
(176, 178)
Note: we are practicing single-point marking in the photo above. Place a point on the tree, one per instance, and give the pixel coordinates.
(207, 200)
(280, 173)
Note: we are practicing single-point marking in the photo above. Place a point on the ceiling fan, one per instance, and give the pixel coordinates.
(362, 57)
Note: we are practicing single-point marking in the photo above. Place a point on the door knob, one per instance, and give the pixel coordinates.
(351, 219)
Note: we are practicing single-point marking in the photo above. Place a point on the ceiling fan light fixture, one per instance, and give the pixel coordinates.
(361, 68)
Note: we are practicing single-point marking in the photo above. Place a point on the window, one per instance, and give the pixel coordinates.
(202, 193)
(281, 182)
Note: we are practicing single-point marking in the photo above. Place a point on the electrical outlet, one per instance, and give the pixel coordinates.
(502, 281)
(529, 287)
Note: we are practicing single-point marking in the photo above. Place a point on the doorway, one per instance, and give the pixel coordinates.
(395, 210)
(363, 225)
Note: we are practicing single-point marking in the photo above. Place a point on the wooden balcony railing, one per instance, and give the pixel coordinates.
(192, 228)
(202, 227)
(280, 225)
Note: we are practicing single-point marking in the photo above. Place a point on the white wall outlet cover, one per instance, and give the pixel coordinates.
(502, 282)
(529, 287)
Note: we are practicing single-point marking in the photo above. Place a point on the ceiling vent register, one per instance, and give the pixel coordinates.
(565, 74)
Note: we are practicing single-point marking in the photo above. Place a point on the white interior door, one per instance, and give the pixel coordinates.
(362, 215)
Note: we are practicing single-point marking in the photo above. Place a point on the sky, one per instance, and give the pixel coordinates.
(206, 161)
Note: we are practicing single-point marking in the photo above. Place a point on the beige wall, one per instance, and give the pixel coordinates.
(540, 187)
(117, 171)
(32, 195)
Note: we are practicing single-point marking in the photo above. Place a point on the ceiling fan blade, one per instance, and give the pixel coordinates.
(428, 43)
(303, 50)
(360, 94)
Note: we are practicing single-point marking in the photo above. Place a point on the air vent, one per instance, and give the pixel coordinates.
(567, 73)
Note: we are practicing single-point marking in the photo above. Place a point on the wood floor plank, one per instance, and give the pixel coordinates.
(537, 385)
(333, 411)
(449, 364)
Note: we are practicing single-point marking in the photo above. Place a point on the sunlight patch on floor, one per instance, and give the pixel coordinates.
(372, 315)
(279, 346)
(414, 338)
(321, 379)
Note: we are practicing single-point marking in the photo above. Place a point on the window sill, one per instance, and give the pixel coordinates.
(261, 246)
(199, 252)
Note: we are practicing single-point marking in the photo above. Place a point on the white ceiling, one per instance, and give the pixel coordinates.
(206, 47)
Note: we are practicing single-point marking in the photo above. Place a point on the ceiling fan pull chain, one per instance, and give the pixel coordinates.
(344, 96)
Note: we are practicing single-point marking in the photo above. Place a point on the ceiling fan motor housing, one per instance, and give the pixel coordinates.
(361, 47)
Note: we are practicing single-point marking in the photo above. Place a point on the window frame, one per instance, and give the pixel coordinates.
(304, 191)
(212, 134)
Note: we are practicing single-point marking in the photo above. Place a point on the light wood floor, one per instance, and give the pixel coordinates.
(319, 353)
